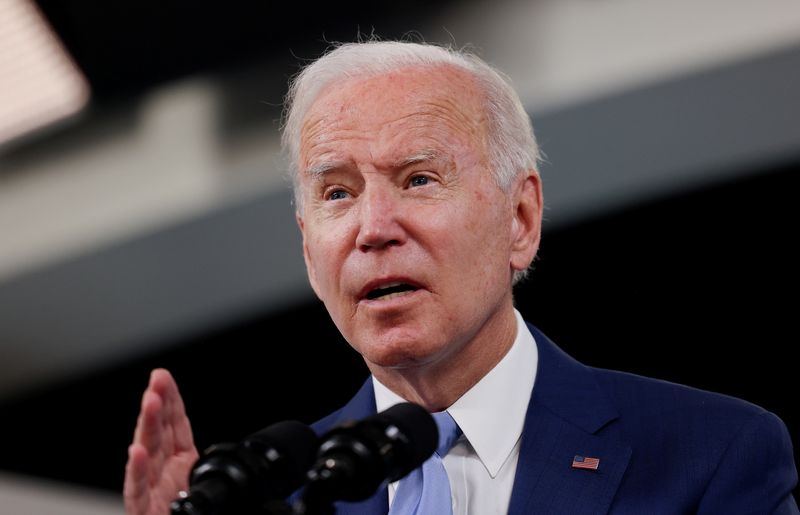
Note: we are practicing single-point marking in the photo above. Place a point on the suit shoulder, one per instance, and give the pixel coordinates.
(657, 398)
(723, 447)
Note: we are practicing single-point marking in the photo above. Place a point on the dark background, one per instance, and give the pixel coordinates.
(127, 47)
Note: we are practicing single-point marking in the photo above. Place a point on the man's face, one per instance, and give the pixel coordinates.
(407, 239)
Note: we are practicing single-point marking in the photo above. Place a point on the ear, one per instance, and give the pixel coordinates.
(527, 222)
(312, 277)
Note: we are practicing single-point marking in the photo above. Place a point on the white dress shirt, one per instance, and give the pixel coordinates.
(482, 464)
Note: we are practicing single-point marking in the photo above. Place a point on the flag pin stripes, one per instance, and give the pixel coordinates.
(585, 462)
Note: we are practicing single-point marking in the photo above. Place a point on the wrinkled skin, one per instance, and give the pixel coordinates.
(397, 192)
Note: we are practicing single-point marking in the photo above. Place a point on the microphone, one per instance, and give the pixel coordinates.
(355, 458)
(252, 476)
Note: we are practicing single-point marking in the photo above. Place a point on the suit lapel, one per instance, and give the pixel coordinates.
(564, 419)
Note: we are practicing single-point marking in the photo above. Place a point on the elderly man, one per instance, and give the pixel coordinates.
(420, 205)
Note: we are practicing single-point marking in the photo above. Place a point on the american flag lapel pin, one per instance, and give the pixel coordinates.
(585, 462)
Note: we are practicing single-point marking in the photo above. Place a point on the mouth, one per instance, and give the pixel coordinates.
(389, 290)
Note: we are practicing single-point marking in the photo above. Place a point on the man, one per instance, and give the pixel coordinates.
(420, 205)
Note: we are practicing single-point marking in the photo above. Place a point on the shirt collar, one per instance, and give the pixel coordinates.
(502, 394)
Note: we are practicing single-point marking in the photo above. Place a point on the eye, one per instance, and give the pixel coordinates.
(418, 180)
(337, 195)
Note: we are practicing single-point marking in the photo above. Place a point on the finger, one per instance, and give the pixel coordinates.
(150, 426)
(174, 411)
(135, 489)
(151, 404)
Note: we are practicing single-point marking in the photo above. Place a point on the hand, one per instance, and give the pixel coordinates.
(162, 453)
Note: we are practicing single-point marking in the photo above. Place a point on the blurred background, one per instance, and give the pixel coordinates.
(146, 220)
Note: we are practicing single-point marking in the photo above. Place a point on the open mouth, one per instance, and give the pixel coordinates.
(390, 291)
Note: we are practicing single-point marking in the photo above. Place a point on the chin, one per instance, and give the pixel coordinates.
(396, 354)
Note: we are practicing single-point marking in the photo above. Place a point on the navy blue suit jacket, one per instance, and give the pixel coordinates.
(663, 448)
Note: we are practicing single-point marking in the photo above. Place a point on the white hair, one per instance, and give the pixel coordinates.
(512, 146)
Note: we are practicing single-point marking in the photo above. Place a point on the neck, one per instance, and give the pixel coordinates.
(438, 384)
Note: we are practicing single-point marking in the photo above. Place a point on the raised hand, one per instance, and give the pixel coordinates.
(162, 452)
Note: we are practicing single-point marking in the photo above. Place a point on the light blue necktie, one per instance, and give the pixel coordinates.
(426, 490)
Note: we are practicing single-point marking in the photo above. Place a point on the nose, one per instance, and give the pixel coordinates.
(379, 220)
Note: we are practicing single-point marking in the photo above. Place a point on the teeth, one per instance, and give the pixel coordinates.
(396, 294)
(389, 285)
(389, 290)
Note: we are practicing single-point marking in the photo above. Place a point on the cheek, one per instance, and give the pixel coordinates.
(322, 260)
(472, 240)
(488, 235)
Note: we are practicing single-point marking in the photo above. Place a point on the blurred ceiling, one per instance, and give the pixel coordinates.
(127, 47)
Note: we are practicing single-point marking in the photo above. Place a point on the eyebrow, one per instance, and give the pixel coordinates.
(418, 157)
(318, 170)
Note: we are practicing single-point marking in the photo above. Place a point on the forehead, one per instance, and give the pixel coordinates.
(432, 106)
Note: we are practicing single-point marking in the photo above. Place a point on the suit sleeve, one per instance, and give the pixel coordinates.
(756, 474)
